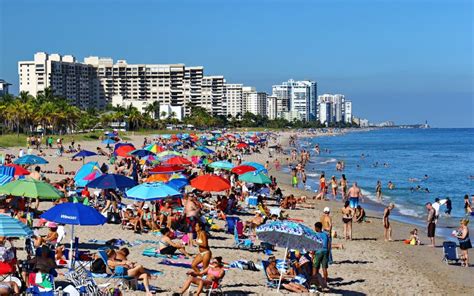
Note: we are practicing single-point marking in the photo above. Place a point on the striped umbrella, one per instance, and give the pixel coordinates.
(10, 227)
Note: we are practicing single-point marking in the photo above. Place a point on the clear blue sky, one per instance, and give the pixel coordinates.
(397, 60)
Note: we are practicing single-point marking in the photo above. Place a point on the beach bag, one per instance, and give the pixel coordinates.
(113, 218)
(98, 266)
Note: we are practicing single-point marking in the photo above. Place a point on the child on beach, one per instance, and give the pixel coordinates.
(414, 240)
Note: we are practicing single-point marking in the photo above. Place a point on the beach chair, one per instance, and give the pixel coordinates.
(83, 283)
(244, 244)
(230, 223)
(271, 283)
(450, 252)
(118, 274)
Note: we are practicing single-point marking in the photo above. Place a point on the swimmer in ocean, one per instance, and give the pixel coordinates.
(390, 185)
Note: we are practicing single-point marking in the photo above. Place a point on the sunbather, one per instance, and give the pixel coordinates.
(274, 274)
(9, 288)
(167, 246)
(131, 269)
(213, 273)
(254, 222)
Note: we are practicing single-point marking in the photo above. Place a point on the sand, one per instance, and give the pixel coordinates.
(367, 265)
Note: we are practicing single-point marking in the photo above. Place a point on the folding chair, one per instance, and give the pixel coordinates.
(271, 283)
(450, 252)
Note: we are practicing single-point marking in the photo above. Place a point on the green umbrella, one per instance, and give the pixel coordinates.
(259, 178)
(31, 188)
(196, 152)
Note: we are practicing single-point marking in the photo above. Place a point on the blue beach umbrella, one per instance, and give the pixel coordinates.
(205, 149)
(177, 184)
(108, 141)
(11, 227)
(222, 165)
(84, 153)
(30, 159)
(290, 234)
(111, 181)
(141, 153)
(151, 191)
(84, 171)
(74, 214)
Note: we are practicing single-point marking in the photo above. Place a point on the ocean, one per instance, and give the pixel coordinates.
(446, 156)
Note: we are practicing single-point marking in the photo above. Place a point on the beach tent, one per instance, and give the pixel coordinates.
(85, 170)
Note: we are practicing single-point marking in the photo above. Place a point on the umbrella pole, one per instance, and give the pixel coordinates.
(282, 270)
(71, 255)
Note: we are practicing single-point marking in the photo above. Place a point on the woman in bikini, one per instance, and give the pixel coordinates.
(206, 278)
(347, 215)
(334, 186)
(204, 255)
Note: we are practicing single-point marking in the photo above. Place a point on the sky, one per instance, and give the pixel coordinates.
(401, 60)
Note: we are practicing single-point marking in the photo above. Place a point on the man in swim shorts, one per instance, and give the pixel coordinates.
(354, 195)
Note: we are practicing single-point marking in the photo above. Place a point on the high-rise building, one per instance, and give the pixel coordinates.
(213, 95)
(334, 109)
(4, 87)
(234, 100)
(272, 107)
(297, 96)
(67, 78)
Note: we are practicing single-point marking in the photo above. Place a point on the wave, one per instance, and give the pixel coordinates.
(331, 160)
(402, 209)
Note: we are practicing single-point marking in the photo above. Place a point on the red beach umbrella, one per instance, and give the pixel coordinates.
(178, 160)
(19, 170)
(166, 169)
(124, 150)
(242, 145)
(242, 169)
(210, 183)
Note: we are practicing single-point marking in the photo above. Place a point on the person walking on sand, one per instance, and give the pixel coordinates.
(387, 228)
(464, 241)
(354, 195)
(347, 215)
(431, 223)
(378, 190)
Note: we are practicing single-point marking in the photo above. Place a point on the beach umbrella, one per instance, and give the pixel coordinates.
(289, 234)
(111, 181)
(166, 136)
(241, 145)
(93, 175)
(178, 160)
(158, 178)
(151, 191)
(205, 149)
(242, 169)
(84, 171)
(150, 158)
(122, 149)
(74, 214)
(258, 166)
(167, 169)
(154, 148)
(221, 165)
(140, 153)
(84, 153)
(19, 170)
(11, 227)
(30, 159)
(210, 183)
(197, 152)
(177, 184)
(168, 153)
(108, 142)
(256, 178)
(31, 188)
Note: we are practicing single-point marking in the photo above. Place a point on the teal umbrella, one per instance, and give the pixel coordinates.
(256, 178)
(151, 191)
(10, 227)
(221, 165)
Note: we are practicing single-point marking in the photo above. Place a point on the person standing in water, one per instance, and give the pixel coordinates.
(343, 184)
(354, 195)
(334, 187)
(378, 190)
(387, 231)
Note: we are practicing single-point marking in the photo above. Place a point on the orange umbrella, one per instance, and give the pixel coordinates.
(210, 183)
(158, 178)
(124, 150)
(178, 160)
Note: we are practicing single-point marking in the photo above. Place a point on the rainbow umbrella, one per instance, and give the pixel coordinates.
(155, 148)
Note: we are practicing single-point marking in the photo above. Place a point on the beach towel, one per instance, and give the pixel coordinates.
(153, 252)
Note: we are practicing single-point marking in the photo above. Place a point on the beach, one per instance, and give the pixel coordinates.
(366, 265)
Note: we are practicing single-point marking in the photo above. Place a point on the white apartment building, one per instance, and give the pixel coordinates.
(297, 96)
(334, 108)
(272, 110)
(234, 100)
(256, 102)
(67, 78)
(213, 95)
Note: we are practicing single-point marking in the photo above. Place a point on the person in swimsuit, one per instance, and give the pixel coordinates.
(334, 187)
(165, 214)
(147, 218)
(204, 255)
(322, 185)
(167, 246)
(347, 215)
(343, 184)
(464, 242)
(467, 205)
(206, 278)
(354, 195)
(9, 288)
(378, 190)
(387, 229)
